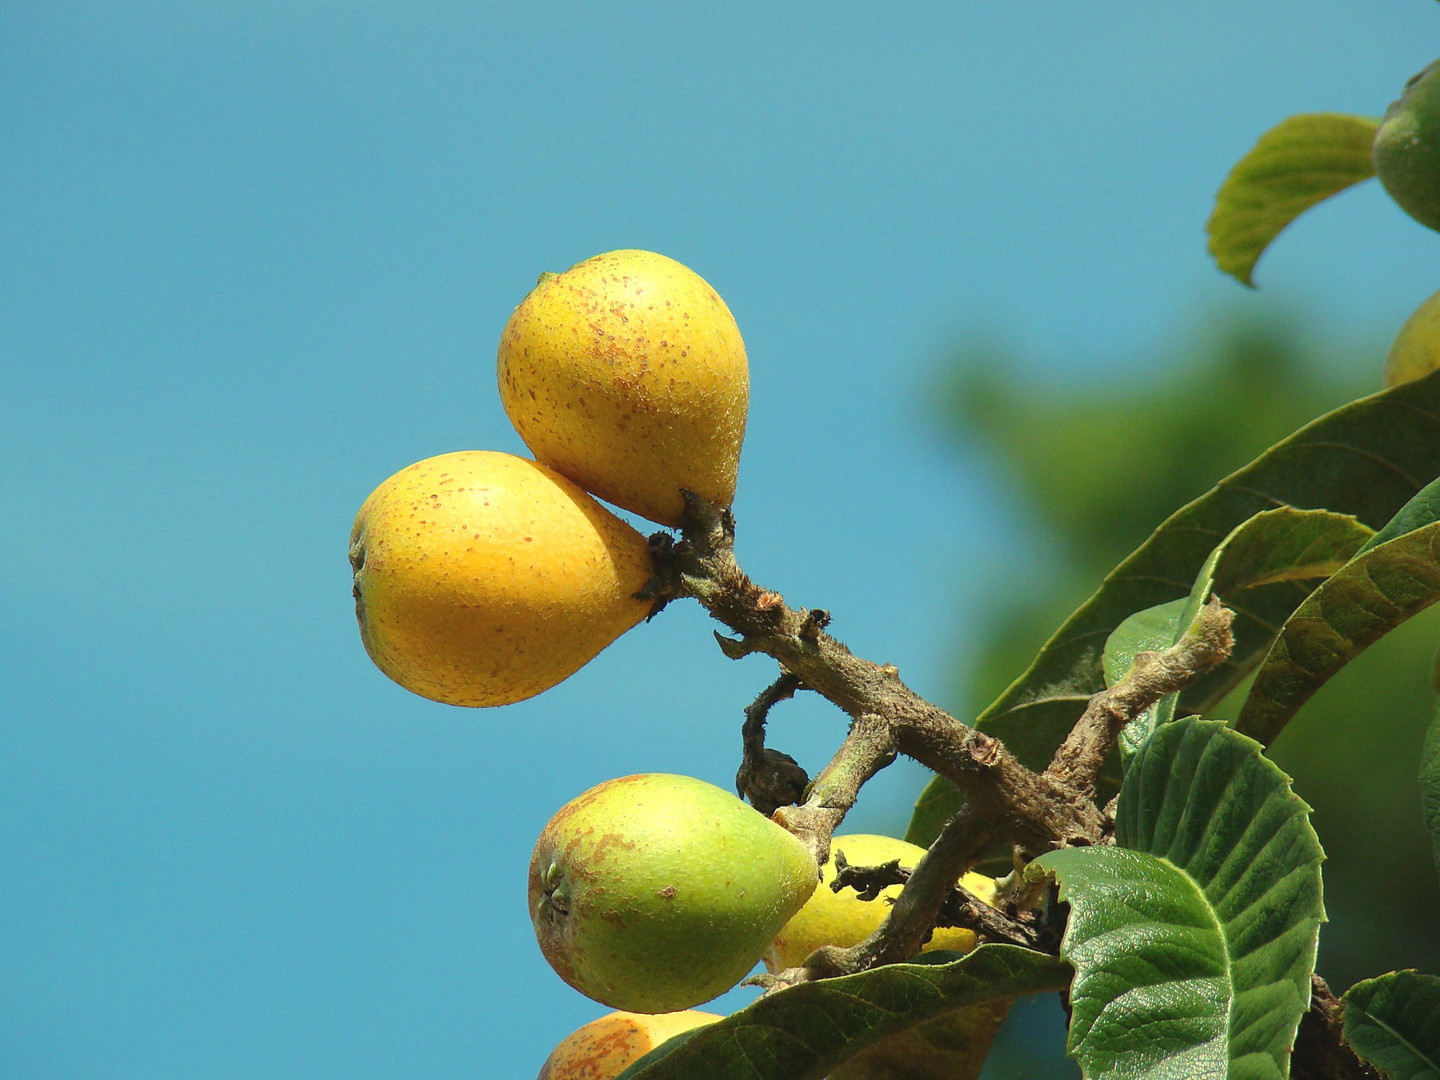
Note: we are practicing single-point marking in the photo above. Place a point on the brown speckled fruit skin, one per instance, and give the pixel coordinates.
(656, 892)
(482, 578)
(627, 373)
(604, 1048)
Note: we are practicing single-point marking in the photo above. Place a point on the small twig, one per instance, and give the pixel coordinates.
(867, 881)
(1027, 928)
(868, 748)
(961, 908)
(1152, 675)
(1321, 1052)
(768, 778)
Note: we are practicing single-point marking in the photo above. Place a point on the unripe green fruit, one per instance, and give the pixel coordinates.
(654, 893)
(627, 374)
(1416, 349)
(482, 578)
(1407, 148)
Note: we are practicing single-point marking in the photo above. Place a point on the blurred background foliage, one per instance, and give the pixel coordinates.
(1094, 467)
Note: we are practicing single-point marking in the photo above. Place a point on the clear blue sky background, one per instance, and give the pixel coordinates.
(256, 257)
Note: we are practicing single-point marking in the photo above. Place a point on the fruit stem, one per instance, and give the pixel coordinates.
(868, 748)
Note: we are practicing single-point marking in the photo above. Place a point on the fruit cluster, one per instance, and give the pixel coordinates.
(483, 579)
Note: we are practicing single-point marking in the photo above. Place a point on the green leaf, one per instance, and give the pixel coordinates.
(951, 1046)
(1151, 630)
(1263, 571)
(1423, 509)
(1278, 547)
(1366, 459)
(1194, 938)
(1393, 1023)
(1376, 591)
(1430, 785)
(1296, 164)
(812, 1030)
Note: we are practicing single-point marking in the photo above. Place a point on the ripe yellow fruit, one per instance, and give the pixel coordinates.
(831, 918)
(604, 1048)
(482, 578)
(658, 892)
(627, 374)
(1416, 349)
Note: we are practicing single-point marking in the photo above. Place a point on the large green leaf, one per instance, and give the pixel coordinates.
(1271, 552)
(1393, 1023)
(1382, 586)
(1366, 459)
(812, 1030)
(1296, 164)
(1193, 939)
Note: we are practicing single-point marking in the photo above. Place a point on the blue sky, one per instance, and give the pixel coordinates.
(256, 257)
